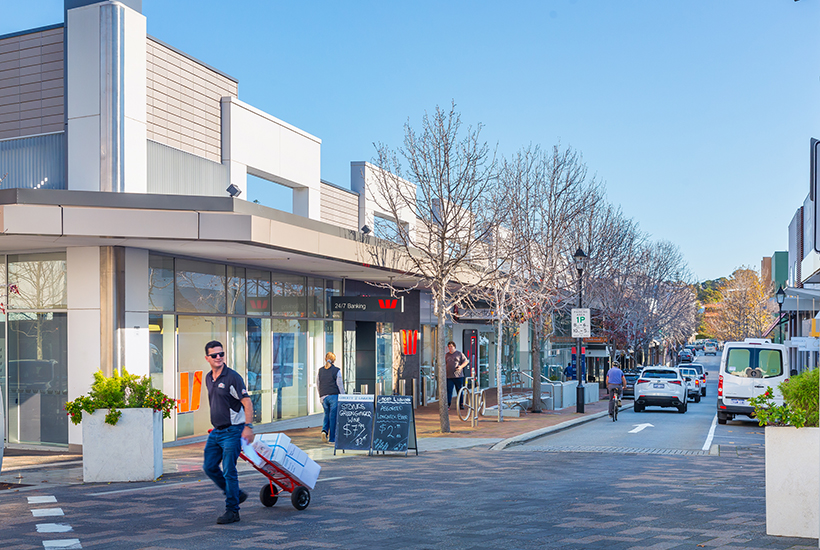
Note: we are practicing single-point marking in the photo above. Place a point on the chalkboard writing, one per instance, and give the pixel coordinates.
(391, 429)
(354, 422)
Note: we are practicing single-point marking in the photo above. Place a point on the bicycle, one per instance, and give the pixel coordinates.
(470, 402)
(614, 403)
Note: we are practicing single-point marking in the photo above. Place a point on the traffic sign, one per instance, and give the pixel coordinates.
(581, 323)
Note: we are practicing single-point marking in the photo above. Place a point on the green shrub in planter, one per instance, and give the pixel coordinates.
(800, 403)
(120, 391)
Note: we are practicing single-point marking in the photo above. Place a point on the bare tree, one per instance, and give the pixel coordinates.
(445, 190)
(547, 193)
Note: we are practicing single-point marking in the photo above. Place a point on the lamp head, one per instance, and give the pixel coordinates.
(780, 295)
(580, 259)
(366, 229)
(233, 190)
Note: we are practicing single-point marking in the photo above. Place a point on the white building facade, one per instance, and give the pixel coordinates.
(121, 245)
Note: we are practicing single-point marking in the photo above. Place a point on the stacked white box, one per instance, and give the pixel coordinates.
(278, 449)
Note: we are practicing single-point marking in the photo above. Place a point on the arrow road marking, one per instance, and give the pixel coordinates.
(640, 428)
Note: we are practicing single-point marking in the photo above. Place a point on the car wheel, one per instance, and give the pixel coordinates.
(721, 418)
(703, 392)
(697, 398)
(637, 408)
(682, 408)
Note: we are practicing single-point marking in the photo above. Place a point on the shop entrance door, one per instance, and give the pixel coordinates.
(365, 356)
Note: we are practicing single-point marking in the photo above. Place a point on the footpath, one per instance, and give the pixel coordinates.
(30, 469)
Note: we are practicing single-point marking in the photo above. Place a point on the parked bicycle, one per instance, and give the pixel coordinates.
(470, 402)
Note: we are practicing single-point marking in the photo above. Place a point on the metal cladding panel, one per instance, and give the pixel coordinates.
(175, 172)
(33, 163)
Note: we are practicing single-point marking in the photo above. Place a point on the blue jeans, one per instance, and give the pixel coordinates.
(224, 446)
(330, 404)
(453, 384)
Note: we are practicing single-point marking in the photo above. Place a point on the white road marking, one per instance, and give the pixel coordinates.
(640, 428)
(329, 479)
(708, 444)
(41, 500)
(64, 543)
(46, 512)
(53, 528)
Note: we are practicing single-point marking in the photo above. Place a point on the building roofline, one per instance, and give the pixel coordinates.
(192, 58)
(330, 183)
(32, 31)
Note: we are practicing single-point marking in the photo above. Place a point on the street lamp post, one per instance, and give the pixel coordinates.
(781, 297)
(580, 264)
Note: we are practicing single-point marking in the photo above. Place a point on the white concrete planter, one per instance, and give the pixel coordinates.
(129, 451)
(792, 482)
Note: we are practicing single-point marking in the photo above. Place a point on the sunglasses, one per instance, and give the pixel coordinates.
(215, 355)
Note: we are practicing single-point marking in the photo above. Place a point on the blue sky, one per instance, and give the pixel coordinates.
(696, 114)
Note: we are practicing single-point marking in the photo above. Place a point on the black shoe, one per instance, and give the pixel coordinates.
(243, 496)
(230, 516)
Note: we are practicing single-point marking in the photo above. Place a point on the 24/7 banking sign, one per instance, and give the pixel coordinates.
(367, 303)
(581, 323)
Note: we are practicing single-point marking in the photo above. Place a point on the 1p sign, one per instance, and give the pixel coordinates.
(581, 326)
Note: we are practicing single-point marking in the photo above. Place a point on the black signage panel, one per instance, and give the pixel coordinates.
(366, 303)
(391, 429)
(354, 422)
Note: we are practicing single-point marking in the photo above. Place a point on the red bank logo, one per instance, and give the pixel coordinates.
(388, 304)
(189, 397)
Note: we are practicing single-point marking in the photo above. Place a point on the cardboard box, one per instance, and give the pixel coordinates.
(278, 449)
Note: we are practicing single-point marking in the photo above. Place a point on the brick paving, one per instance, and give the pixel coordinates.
(472, 498)
(456, 499)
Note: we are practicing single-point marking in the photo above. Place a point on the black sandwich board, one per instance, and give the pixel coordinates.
(392, 427)
(354, 423)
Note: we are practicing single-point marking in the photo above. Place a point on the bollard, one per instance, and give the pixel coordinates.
(415, 393)
(402, 387)
(363, 389)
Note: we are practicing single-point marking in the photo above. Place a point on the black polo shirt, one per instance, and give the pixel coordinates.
(225, 396)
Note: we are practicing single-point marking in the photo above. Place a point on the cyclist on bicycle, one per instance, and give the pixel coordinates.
(615, 379)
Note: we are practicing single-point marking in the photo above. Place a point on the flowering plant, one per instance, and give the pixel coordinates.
(800, 401)
(767, 413)
(120, 391)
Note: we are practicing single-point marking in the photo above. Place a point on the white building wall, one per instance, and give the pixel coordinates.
(106, 115)
(372, 186)
(135, 331)
(254, 142)
(83, 290)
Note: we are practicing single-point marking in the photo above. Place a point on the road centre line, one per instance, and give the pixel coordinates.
(42, 500)
(64, 543)
(53, 528)
(708, 444)
(47, 512)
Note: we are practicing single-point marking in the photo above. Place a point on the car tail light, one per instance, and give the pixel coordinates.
(677, 382)
(642, 381)
(697, 383)
(720, 386)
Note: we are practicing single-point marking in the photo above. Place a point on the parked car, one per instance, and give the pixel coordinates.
(747, 369)
(693, 349)
(702, 375)
(629, 390)
(660, 387)
(710, 348)
(685, 356)
(692, 379)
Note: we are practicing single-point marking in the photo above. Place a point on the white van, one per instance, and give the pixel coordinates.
(747, 369)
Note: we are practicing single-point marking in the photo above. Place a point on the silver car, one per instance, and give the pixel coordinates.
(660, 387)
(692, 378)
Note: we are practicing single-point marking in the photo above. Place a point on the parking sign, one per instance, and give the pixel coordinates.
(581, 325)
